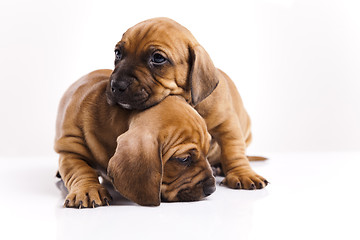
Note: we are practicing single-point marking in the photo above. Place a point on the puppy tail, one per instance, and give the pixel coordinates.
(256, 158)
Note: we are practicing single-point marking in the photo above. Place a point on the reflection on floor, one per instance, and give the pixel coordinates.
(311, 196)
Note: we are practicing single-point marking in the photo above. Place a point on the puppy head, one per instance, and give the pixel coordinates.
(157, 58)
(163, 156)
(187, 175)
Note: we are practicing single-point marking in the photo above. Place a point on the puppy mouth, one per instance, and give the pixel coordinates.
(138, 105)
(201, 190)
(125, 105)
(136, 101)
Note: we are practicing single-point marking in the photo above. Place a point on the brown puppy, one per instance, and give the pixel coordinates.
(149, 155)
(159, 57)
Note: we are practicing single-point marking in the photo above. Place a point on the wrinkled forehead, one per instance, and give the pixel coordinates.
(158, 32)
(182, 126)
(183, 139)
(174, 122)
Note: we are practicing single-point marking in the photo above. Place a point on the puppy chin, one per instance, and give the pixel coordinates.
(113, 102)
(141, 105)
(125, 105)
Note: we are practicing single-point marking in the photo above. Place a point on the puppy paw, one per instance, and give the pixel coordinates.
(87, 197)
(240, 179)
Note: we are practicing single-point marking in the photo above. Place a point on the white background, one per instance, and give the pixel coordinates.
(295, 63)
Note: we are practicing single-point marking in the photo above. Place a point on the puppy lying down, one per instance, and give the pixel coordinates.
(158, 153)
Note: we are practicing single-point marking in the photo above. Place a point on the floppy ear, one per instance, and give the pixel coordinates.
(202, 78)
(136, 168)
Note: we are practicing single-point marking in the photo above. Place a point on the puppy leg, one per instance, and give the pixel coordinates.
(238, 173)
(82, 183)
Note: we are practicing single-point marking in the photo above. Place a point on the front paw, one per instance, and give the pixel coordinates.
(87, 196)
(244, 179)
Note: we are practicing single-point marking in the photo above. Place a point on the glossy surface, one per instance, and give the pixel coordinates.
(311, 196)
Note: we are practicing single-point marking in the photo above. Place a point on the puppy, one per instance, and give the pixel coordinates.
(159, 57)
(159, 153)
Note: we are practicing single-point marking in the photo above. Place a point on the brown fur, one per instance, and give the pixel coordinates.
(138, 151)
(188, 71)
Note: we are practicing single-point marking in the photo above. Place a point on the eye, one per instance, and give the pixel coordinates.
(184, 160)
(117, 54)
(157, 58)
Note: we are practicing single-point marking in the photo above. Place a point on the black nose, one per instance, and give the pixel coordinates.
(209, 187)
(118, 86)
(209, 190)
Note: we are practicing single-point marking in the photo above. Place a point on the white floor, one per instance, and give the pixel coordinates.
(311, 196)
